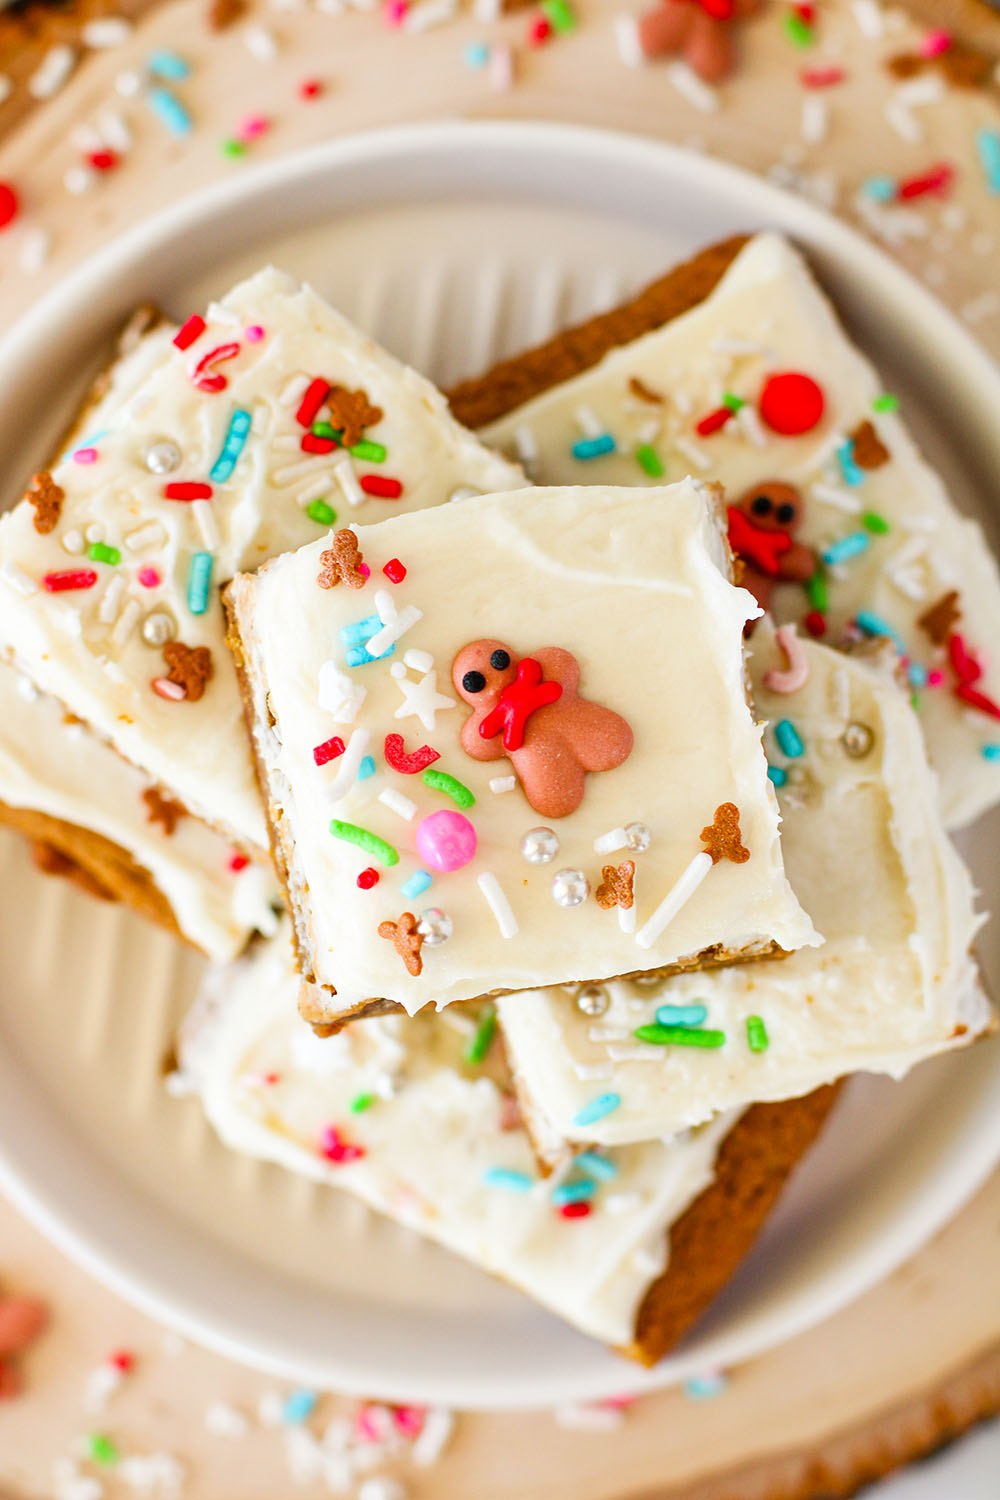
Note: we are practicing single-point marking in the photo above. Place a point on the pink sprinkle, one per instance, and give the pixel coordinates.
(821, 78)
(334, 1149)
(149, 578)
(935, 677)
(253, 334)
(510, 1113)
(164, 688)
(364, 570)
(394, 12)
(253, 127)
(933, 43)
(238, 862)
(371, 1423)
(85, 456)
(394, 570)
(410, 1419)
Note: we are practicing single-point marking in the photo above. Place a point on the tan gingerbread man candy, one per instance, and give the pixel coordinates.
(762, 527)
(407, 939)
(342, 562)
(530, 711)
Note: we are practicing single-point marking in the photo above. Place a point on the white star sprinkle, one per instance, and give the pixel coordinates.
(422, 699)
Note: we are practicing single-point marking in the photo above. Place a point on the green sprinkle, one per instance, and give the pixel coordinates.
(321, 513)
(485, 1032)
(559, 15)
(731, 402)
(233, 148)
(366, 840)
(680, 1036)
(799, 32)
(101, 1449)
(360, 1103)
(817, 591)
(886, 402)
(757, 1038)
(872, 521)
(450, 785)
(372, 453)
(324, 430)
(649, 460)
(915, 702)
(101, 552)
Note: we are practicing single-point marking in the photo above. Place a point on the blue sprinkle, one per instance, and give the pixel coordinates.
(164, 64)
(990, 752)
(880, 189)
(594, 447)
(988, 146)
(847, 547)
(573, 1192)
(416, 885)
(596, 1165)
(358, 656)
(681, 1015)
(789, 739)
(777, 775)
(169, 110)
(366, 768)
(916, 674)
(849, 470)
(506, 1177)
(298, 1407)
(873, 624)
(360, 630)
(705, 1387)
(233, 445)
(199, 579)
(604, 1104)
(476, 55)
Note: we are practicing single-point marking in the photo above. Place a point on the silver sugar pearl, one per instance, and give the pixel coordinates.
(857, 739)
(162, 456)
(592, 999)
(539, 845)
(158, 627)
(637, 837)
(434, 926)
(570, 887)
(463, 492)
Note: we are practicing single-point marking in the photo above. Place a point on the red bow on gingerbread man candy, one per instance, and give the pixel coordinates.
(530, 711)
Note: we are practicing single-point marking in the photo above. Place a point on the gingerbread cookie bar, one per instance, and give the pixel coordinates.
(416, 1117)
(893, 983)
(735, 368)
(257, 424)
(462, 716)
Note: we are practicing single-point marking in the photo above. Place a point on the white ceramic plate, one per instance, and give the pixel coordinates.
(453, 244)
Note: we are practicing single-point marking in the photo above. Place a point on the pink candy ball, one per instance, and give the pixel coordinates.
(446, 840)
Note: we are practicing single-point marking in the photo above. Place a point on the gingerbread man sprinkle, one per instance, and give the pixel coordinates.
(351, 412)
(190, 667)
(697, 30)
(407, 940)
(939, 621)
(722, 836)
(530, 711)
(868, 449)
(342, 562)
(22, 1319)
(616, 888)
(47, 498)
(163, 810)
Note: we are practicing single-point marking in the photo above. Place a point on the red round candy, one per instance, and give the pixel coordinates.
(9, 205)
(367, 879)
(791, 403)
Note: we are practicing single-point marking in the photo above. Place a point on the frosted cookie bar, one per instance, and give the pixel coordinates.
(734, 367)
(255, 425)
(893, 983)
(461, 717)
(416, 1118)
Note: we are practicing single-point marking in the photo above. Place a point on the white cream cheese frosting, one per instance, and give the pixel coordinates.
(628, 581)
(896, 544)
(893, 983)
(54, 765)
(432, 1141)
(229, 413)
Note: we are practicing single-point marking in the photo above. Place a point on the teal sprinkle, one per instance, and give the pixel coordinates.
(880, 189)
(988, 148)
(777, 775)
(199, 579)
(366, 768)
(573, 1192)
(594, 447)
(321, 513)
(164, 64)
(990, 752)
(506, 1177)
(873, 624)
(476, 55)
(681, 1015)
(789, 739)
(298, 1407)
(233, 444)
(596, 1165)
(169, 110)
(604, 1104)
(371, 453)
(416, 885)
(848, 547)
(358, 656)
(916, 674)
(360, 630)
(849, 470)
(441, 781)
(705, 1387)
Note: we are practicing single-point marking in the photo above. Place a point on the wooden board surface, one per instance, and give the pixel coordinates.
(919, 1357)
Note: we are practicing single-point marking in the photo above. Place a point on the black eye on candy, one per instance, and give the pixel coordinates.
(500, 660)
(761, 505)
(785, 514)
(473, 682)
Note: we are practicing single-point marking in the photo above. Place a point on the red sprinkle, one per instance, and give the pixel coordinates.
(203, 375)
(394, 570)
(122, 1359)
(9, 205)
(821, 78)
(312, 444)
(104, 161)
(791, 403)
(394, 750)
(365, 571)
(815, 623)
(72, 578)
(310, 88)
(238, 862)
(380, 485)
(187, 489)
(189, 332)
(315, 394)
(367, 879)
(410, 1419)
(539, 31)
(713, 421)
(336, 1150)
(329, 750)
(936, 180)
(574, 1210)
